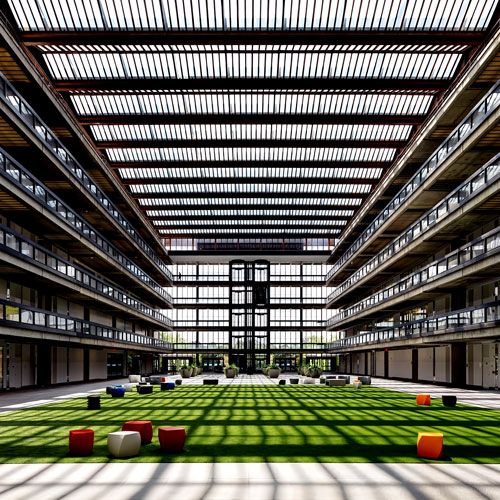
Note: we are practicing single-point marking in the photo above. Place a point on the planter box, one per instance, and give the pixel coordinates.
(274, 372)
(185, 372)
(230, 373)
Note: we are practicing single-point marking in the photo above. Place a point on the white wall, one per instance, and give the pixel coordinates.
(28, 376)
(489, 366)
(400, 363)
(75, 365)
(425, 364)
(59, 365)
(98, 364)
(474, 364)
(443, 363)
(15, 365)
(358, 362)
(379, 363)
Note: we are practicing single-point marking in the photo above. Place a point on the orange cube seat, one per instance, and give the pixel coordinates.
(424, 399)
(143, 427)
(429, 444)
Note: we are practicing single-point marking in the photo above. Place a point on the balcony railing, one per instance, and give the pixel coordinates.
(439, 324)
(476, 117)
(21, 316)
(472, 253)
(457, 198)
(16, 173)
(13, 243)
(18, 104)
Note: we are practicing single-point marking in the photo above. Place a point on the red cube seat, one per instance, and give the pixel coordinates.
(172, 439)
(143, 427)
(81, 442)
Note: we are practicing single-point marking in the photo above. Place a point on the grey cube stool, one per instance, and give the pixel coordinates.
(94, 402)
(145, 389)
(339, 382)
(210, 381)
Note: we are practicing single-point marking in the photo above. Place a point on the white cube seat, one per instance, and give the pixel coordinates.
(124, 444)
(135, 379)
(309, 380)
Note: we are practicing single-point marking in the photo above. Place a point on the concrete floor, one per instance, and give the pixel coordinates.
(240, 481)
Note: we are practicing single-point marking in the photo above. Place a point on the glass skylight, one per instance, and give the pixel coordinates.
(250, 154)
(250, 222)
(248, 213)
(214, 132)
(250, 15)
(200, 48)
(251, 103)
(224, 64)
(249, 188)
(239, 231)
(250, 172)
(217, 131)
(237, 202)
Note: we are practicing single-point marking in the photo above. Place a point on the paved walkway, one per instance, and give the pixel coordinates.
(256, 481)
(238, 481)
(481, 398)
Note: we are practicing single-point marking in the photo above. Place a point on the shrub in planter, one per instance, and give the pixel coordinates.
(231, 371)
(265, 370)
(185, 371)
(314, 371)
(274, 371)
(302, 370)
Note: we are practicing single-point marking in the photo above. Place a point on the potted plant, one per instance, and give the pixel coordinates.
(314, 371)
(185, 371)
(231, 371)
(265, 370)
(274, 371)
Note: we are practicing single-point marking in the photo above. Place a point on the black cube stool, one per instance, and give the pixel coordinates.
(178, 381)
(282, 382)
(145, 389)
(210, 381)
(294, 381)
(449, 400)
(109, 388)
(94, 402)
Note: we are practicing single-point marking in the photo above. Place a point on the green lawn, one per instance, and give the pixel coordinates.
(260, 424)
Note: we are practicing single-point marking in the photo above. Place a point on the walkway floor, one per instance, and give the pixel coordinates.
(239, 481)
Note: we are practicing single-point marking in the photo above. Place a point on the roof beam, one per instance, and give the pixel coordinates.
(165, 181)
(246, 164)
(251, 143)
(335, 84)
(251, 37)
(271, 118)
